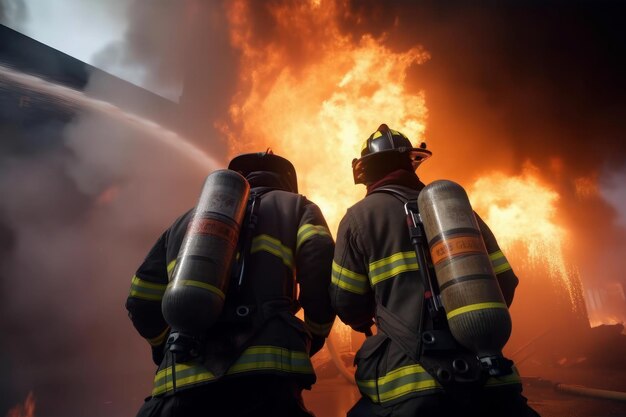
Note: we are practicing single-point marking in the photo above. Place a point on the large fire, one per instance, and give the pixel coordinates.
(315, 98)
(521, 210)
(315, 94)
(318, 114)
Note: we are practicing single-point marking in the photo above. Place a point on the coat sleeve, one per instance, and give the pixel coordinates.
(144, 300)
(351, 294)
(314, 254)
(504, 273)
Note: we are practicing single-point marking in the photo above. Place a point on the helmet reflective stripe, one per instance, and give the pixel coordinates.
(366, 144)
(395, 132)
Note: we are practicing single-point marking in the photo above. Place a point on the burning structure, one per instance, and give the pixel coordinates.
(534, 132)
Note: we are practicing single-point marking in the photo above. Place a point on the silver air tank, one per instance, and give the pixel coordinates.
(195, 295)
(477, 314)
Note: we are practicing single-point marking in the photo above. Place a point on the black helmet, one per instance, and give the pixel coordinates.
(383, 146)
(266, 161)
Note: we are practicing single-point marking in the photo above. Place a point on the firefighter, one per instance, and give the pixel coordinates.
(255, 360)
(374, 273)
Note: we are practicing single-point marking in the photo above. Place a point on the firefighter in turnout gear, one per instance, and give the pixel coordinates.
(375, 280)
(255, 359)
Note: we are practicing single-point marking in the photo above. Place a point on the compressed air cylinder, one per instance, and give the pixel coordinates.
(477, 314)
(195, 295)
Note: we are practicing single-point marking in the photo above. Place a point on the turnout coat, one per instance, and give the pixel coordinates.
(290, 247)
(375, 265)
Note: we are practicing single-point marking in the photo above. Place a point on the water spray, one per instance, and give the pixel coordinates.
(70, 97)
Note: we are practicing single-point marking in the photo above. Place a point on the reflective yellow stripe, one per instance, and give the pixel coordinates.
(395, 132)
(316, 328)
(499, 262)
(170, 268)
(349, 280)
(272, 358)
(307, 231)
(392, 265)
(146, 290)
(186, 374)
(397, 383)
(252, 359)
(158, 340)
(199, 284)
(274, 246)
(473, 307)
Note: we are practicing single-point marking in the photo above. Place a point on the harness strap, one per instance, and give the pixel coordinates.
(395, 329)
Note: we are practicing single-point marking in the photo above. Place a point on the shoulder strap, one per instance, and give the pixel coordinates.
(245, 238)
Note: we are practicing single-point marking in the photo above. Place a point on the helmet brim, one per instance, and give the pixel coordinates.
(417, 156)
(263, 161)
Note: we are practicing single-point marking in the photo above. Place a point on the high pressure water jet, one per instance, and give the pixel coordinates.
(70, 97)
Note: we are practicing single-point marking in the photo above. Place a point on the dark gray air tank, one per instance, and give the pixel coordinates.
(195, 295)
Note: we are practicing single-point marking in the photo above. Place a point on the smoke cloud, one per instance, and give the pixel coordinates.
(85, 208)
(13, 11)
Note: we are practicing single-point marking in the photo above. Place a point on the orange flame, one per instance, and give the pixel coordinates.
(313, 95)
(24, 410)
(522, 210)
(318, 114)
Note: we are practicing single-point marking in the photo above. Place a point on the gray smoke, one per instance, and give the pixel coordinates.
(82, 213)
(13, 12)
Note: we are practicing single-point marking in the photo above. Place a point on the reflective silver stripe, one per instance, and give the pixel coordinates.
(499, 262)
(392, 265)
(273, 246)
(307, 231)
(397, 383)
(349, 280)
(146, 290)
(272, 358)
